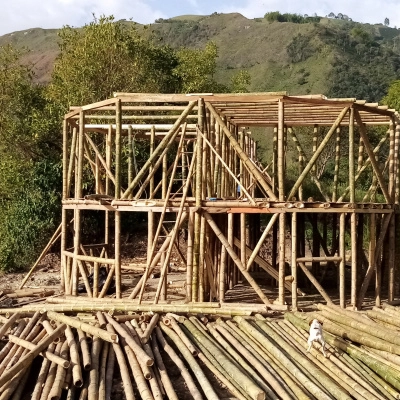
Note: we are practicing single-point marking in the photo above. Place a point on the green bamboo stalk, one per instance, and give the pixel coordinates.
(175, 326)
(253, 390)
(194, 391)
(267, 376)
(288, 381)
(202, 379)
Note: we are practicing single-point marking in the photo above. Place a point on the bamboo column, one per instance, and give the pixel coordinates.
(342, 265)
(64, 281)
(117, 228)
(107, 213)
(337, 166)
(353, 217)
(294, 261)
(281, 191)
(198, 198)
(78, 195)
(189, 257)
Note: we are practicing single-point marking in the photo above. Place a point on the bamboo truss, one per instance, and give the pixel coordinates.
(204, 171)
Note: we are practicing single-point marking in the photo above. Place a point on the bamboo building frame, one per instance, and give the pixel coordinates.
(203, 166)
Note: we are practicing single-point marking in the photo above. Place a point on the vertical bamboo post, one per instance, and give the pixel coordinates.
(78, 195)
(342, 265)
(222, 192)
(150, 214)
(117, 239)
(353, 217)
(217, 167)
(372, 240)
(391, 258)
(202, 276)
(230, 241)
(315, 145)
(391, 186)
(275, 160)
(189, 257)
(243, 240)
(198, 198)
(108, 191)
(163, 293)
(378, 263)
(281, 190)
(337, 166)
(294, 261)
(130, 157)
(223, 271)
(397, 163)
(64, 276)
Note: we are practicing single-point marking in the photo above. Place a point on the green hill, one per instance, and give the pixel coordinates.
(339, 58)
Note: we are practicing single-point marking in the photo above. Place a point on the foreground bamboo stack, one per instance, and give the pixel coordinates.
(49, 355)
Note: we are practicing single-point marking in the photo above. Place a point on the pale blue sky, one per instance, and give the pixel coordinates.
(19, 15)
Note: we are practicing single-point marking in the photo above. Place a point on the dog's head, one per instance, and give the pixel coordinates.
(315, 322)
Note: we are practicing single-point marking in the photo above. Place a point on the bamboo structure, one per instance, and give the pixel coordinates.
(203, 169)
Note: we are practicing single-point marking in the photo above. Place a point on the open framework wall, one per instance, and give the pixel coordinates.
(203, 175)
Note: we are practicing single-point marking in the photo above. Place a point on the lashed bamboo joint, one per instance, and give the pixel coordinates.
(343, 200)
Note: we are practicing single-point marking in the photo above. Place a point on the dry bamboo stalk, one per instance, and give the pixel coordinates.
(97, 332)
(75, 359)
(42, 375)
(149, 329)
(5, 351)
(315, 156)
(179, 363)
(137, 372)
(175, 326)
(158, 150)
(123, 368)
(139, 352)
(45, 354)
(102, 371)
(86, 360)
(101, 319)
(93, 388)
(56, 390)
(25, 361)
(51, 375)
(4, 328)
(169, 389)
(109, 372)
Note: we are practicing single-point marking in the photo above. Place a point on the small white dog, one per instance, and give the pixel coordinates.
(316, 335)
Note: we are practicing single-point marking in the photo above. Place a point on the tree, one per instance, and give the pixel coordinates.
(386, 21)
(240, 82)
(392, 99)
(106, 56)
(196, 69)
(331, 15)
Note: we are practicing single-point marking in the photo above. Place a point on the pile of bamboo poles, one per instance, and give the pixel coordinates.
(86, 356)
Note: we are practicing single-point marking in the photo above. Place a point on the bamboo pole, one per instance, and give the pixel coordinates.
(127, 384)
(189, 257)
(337, 166)
(342, 265)
(102, 371)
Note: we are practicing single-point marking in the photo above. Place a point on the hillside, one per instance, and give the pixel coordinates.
(334, 57)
